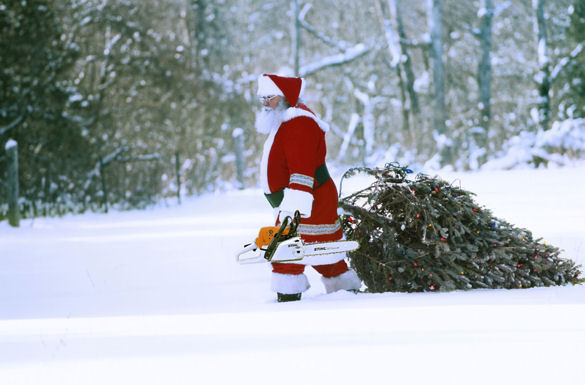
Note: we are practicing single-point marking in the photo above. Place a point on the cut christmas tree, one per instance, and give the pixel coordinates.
(429, 235)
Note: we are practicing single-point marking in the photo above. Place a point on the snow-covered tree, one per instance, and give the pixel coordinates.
(35, 61)
(106, 94)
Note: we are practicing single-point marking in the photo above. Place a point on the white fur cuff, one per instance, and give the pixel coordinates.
(289, 283)
(297, 200)
(345, 281)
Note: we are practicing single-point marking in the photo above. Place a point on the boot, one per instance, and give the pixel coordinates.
(288, 297)
(346, 281)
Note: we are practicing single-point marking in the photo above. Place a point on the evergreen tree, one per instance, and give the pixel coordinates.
(426, 234)
(34, 62)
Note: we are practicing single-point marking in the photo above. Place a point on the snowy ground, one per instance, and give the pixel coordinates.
(155, 297)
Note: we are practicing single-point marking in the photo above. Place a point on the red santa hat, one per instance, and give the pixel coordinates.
(289, 87)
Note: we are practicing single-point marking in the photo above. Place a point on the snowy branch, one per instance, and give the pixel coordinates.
(106, 160)
(565, 62)
(424, 44)
(502, 7)
(391, 38)
(353, 122)
(11, 125)
(304, 11)
(139, 158)
(335, 60)
(325, 39)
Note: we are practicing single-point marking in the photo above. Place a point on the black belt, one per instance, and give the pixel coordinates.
(321, 176)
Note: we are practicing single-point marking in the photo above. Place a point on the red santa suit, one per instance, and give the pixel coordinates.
(294, 177)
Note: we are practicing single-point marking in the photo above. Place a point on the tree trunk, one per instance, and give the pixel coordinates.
(484, 75)
(12, 183)
(399, 60)
(238, 136)
(178, 175)
(196, 28)
(439, 112)
(102, 168)
(544, 75)
(353, 123)
(407, 62)
(296, 38)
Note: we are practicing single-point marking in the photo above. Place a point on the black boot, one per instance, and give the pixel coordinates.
(288, 297)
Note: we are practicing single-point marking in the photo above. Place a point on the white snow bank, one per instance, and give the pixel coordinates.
(561, 145)
(155, 297)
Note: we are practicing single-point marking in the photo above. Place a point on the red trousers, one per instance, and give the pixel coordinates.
(327, 271)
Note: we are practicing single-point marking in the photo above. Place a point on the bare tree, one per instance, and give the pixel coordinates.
(400, 59)
(543, 78)
(296, 36)
(439, 106)
(484, 75)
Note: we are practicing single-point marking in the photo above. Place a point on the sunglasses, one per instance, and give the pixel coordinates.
(266, 99)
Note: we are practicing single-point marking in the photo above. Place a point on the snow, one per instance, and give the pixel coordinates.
(154, 296)
(563, 144)
(11, 143)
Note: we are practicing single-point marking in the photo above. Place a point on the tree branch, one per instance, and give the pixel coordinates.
(565, 62)
(325, 39)
(139, 158)
(106, 160)
(335, 60)
(11, 125)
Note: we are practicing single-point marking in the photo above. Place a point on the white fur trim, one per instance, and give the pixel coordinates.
(264, 162)
(295, 112)
(297, 200)
(266, 87)
(345, 281)
(289, 283)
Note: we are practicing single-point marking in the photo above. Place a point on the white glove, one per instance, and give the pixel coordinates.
(283, 214)
(296, 200)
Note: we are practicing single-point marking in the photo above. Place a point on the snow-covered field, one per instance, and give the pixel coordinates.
(155, 297)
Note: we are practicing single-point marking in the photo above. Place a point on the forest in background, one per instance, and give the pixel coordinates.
(127, 102)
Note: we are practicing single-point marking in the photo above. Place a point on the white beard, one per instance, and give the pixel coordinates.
(268, 119)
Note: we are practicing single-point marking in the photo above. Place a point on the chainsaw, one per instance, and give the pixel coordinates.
(284, 245)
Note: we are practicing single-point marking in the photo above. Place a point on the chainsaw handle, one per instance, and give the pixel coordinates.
(250, 247)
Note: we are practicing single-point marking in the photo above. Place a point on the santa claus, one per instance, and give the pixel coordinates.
(294, 177)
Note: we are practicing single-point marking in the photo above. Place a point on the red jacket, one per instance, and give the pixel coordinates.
(292, 154)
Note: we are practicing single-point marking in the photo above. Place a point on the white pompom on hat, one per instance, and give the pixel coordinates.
(289, 87)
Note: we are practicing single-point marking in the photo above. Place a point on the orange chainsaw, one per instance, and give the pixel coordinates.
(283, 244)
